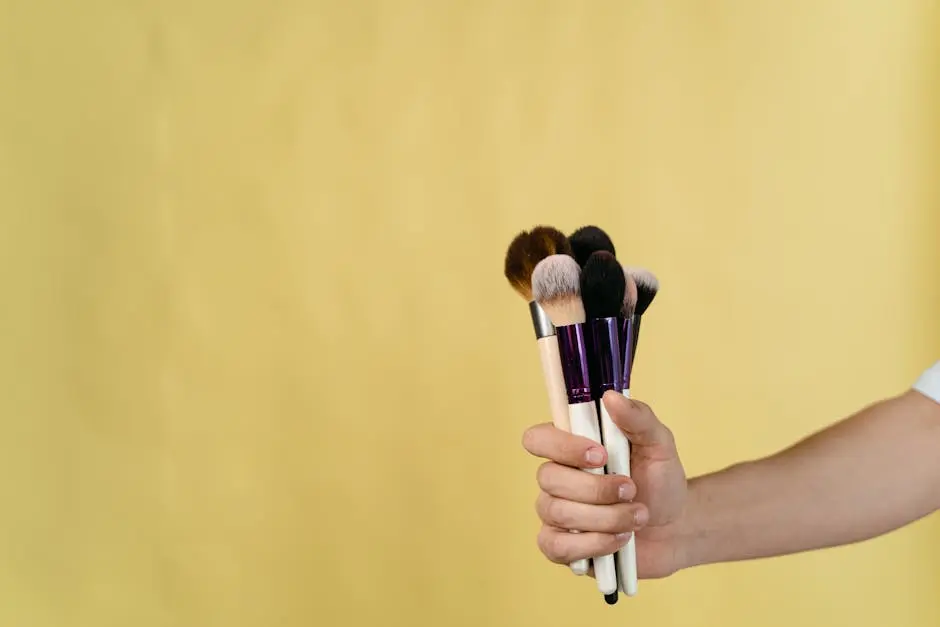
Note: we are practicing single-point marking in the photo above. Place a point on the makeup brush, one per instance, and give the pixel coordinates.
(647, 286)
(556, 286)
(587, 240)
(604, 291)
(525, 251)
(626, 330)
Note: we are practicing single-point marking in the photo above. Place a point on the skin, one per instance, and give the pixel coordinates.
(874, 471)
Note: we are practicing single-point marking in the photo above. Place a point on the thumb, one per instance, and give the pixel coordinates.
(638, 421)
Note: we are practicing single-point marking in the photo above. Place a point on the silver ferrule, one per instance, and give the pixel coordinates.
(543, 326)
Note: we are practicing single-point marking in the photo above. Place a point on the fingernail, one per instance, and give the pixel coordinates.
(595, 456)
(640, 517)
(625, 491)
(623, 537)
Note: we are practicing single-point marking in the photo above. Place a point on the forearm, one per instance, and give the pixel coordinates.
(869, 474)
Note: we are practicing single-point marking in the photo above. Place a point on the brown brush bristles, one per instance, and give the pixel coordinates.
(518, 267)
(556, 286)
(547, 241)
(629, 297)
(526, 250)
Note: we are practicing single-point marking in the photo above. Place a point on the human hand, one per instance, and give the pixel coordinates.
(606, 508)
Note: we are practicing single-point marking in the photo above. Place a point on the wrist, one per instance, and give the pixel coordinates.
(690, 533)
(713, 527)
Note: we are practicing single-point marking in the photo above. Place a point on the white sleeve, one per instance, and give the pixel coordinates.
(929, 383)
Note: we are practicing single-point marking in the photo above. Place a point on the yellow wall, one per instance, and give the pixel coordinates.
(259, 364)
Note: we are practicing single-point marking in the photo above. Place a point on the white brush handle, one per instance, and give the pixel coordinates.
(584, 423)
(618, 463)
(554, 382)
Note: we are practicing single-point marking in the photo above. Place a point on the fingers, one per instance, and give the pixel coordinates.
(638, 421)
(563, 547)
(573, 484)
(547, 441)
(584, 517)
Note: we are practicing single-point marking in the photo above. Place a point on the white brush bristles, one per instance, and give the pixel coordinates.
(644, 278)
(556, 286)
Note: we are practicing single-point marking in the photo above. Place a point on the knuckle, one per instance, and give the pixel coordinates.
(540, 505)
(668, 436)
(549, 544)
(544, 543)
(556, 512)
(573, 450)
(601, 489)
(559, 546)
(617, 519)
(641, 406)
(528, 439)
(646, 411)
(634, 406)
(611, 543)
(544, 474)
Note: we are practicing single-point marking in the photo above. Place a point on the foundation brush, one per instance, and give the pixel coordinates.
(604, 291)
(556, 286)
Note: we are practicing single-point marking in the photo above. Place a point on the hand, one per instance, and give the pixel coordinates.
(606, 508)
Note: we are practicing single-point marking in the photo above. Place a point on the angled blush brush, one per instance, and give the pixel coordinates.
(588, 240)
(647, 286)
(604, 291)
(525, 251)
(556, 286)
(626, 330)
(629, 577)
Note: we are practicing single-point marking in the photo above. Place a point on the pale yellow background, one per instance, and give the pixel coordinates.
(260, 367)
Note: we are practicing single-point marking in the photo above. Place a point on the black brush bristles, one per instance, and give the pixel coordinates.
(588, 240)
(603, 285)
(647, 286)
(644, 298)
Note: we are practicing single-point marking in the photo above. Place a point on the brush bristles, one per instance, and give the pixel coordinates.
(556, 287)
(547, 241)
(629, 297)
(647, 286)
(526, 250)
(588, 240)
(603, 286)
(517, 267)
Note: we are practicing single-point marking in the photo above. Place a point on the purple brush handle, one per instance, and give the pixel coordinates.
(608, 355)
(574, 363)
(626, 343)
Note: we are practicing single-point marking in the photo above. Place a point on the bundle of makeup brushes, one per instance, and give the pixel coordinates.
(586, 309)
